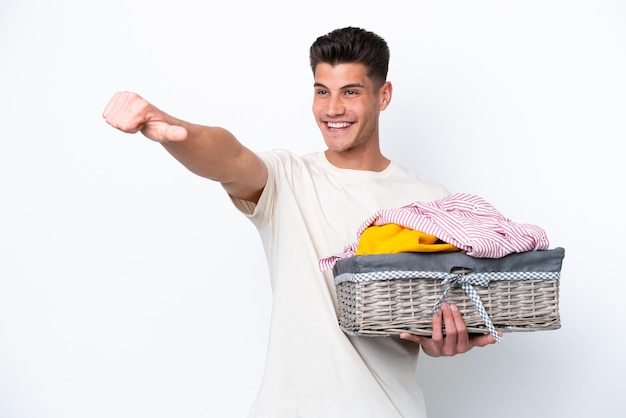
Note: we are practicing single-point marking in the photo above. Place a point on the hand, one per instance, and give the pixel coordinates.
(456, 341)
(130, 113)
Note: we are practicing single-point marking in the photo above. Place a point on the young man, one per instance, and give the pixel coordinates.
(309, 207)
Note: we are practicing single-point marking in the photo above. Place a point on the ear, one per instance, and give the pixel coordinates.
(385, 95)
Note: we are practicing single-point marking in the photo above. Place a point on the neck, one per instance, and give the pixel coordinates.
(351, 159)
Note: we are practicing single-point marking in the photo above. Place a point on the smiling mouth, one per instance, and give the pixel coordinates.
(338, 125)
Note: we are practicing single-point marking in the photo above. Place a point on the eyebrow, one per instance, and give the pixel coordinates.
(347, 86)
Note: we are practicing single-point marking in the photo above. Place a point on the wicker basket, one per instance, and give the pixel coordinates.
(388, 294)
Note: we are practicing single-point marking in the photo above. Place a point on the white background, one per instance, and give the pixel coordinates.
(131, 288)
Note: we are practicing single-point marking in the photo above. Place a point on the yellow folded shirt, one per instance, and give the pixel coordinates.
(394, 238)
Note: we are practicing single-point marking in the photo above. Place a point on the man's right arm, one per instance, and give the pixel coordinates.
(210, 152)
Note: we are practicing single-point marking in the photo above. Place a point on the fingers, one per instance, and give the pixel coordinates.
(450, 321)
(126, 111)
(436, 345)
(130, 113)
(456, 340)
(456, 331)
(437, 335)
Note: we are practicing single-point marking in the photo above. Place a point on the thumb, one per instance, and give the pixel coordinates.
(176, 133)
(160, 131)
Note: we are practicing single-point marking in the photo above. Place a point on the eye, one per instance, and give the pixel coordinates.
(351, 92)
(321, 92)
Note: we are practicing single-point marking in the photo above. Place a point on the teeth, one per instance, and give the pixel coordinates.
(338, 125)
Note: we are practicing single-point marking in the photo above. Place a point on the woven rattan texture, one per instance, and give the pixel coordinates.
(387, 307)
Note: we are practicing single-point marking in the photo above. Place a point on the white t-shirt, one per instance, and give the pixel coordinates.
(310, 209)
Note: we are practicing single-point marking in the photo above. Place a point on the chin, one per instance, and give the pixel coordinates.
(338, 146)
(338, 149)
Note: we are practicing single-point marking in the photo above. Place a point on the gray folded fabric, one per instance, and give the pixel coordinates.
(529, 261)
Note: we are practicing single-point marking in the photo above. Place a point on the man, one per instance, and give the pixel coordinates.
(309, 207)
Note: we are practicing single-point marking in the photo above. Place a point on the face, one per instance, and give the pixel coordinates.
(347, 105)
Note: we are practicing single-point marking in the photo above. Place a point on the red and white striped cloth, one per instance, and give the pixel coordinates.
(464, 220)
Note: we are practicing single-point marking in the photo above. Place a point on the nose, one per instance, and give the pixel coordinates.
(336, 106)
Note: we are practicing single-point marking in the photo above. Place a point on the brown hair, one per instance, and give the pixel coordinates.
(353, 45)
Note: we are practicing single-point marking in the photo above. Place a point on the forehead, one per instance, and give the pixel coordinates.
(337, 76)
